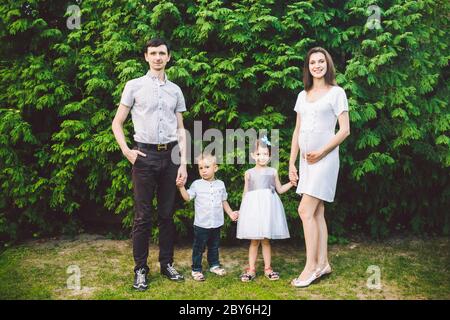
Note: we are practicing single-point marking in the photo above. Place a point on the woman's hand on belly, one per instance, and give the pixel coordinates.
(315, 156)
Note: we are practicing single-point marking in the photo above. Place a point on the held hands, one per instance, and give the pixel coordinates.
(234, 215)
(181, 176)
(293, 176)
(180, 183)
(133, 154)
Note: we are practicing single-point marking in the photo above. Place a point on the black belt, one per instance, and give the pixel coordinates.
(157, 147)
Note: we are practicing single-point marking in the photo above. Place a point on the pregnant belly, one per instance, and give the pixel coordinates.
(313, 141)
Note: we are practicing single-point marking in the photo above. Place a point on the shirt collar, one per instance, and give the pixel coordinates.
(155, 78)
(209, 181)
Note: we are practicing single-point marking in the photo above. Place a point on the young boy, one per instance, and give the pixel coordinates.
(210, 201)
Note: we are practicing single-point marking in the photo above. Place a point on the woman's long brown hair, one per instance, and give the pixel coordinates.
(330, 77)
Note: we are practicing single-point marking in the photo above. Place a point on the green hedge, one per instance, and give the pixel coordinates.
(239, 65)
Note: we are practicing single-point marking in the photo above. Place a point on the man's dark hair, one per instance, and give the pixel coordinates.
(156, 42)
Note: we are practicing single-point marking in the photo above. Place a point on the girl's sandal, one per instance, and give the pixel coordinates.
(270, 274)
(248, 275)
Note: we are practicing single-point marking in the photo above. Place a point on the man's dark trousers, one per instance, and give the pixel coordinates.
(154, 174)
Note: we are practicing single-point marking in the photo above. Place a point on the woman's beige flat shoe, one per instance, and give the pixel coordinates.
(304, 283)
(324, 271)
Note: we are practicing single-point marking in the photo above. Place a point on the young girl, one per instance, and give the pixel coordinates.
(261, 216)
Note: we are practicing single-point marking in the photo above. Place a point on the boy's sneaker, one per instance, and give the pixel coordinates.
(170, 272)
(140, 280)
(218, 270)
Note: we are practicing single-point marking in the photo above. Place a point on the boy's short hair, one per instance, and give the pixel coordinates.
(206, 155)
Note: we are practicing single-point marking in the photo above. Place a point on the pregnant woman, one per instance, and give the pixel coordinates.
(318, 108)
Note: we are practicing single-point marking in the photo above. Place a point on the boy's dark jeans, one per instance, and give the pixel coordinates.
(205, 238)
(155, 173)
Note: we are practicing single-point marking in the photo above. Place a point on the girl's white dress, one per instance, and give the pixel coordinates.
(317, 128)
(262, 214)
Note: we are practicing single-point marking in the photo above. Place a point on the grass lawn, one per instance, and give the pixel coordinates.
(410, 269)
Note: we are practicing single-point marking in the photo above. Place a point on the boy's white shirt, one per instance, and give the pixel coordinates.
(209, 197)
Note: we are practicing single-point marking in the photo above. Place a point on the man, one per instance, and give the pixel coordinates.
(156, 106)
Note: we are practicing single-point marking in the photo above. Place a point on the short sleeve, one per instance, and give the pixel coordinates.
(298, 102)
(127, 98)
(192, 191)
(224, 193)
(181, 104)
(340, 104)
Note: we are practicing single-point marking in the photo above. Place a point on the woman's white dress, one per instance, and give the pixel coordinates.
(261, 214)
(317, 127)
